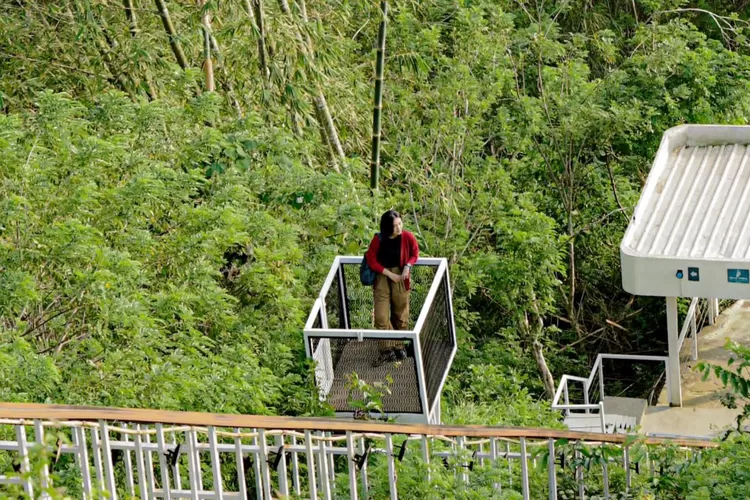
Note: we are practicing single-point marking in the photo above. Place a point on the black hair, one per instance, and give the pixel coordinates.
(386, 222)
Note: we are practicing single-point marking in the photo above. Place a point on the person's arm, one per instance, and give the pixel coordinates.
(413, 250)
(372, 256)
(411, 243)
(372, 260)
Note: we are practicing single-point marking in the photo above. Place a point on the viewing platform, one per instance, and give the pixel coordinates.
(340, 338)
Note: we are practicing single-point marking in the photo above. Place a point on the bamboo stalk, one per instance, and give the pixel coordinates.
(319, 100)
(174, 42)
(208, 66)
(226, 81)
(133, 26)
(130, 14)
(254, 10)
(377, 109)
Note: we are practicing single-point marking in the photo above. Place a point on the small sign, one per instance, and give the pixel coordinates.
(694, 274)
(738, 276)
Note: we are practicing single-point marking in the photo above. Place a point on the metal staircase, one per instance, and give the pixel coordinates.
(600, 413)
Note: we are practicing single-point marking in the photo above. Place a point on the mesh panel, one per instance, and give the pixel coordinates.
(360, 300)
(347, 356)
(436, 341)
(334, 309)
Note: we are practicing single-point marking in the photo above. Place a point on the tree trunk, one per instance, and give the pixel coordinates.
(174, 43)
(541, 364)
(571, 306)
(533, 331)
(377, 108)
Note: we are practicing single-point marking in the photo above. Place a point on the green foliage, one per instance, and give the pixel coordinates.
(154, 246)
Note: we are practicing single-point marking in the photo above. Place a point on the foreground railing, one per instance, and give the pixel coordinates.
(121, 453)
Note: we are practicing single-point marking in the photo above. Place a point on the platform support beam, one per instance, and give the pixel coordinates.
(674, 383)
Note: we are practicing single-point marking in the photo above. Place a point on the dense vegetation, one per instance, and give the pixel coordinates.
(166, 217)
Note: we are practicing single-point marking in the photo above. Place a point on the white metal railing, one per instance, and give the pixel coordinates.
(125, 453)
(700, 312)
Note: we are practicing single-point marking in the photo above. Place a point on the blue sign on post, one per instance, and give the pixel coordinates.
(738, 276)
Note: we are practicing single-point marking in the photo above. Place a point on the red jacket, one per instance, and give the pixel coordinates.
(409, 254)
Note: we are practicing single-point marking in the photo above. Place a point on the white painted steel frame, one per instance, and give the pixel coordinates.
(430, 412)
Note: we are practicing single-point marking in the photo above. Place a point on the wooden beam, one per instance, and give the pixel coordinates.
(93, 413)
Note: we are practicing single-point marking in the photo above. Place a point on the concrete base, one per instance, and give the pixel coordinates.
(733, 323)
(702, 413)
(697, 422)
(627, 407)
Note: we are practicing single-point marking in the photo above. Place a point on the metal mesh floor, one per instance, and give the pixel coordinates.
(358, 357)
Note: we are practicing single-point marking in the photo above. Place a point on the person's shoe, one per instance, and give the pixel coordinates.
(385, 357)
(410, 350)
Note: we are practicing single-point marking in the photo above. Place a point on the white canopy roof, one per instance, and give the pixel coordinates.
(690, 232)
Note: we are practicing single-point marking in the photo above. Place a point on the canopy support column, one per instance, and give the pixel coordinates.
(674, 383)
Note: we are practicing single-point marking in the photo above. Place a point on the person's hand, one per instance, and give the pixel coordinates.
(406, 273)
(392, 276)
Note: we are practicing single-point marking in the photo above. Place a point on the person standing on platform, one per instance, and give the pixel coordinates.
(391, 254)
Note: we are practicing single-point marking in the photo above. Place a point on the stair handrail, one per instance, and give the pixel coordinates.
(689, 325)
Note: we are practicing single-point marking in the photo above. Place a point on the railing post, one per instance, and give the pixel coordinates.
(391, 467)
(426, 455)
(108, 466)
(567, 397)
(493, 457)
(579, 477)
(586, 388)
(215, 463)
(194, 469)
(601, 416)
(694, 332)
(323, 472)
(240, 464)
(23, 453)
(144, 486)
(675, 391)
(351, 466)
(281, 469)
(601, 378)
(363, 470)
(461, 448)
(626, 464)
(295, 469)
(263, 459)
(163, 461)
(176, 466)
(80, 433)
(310, 466)
(128, 463)
(524, 471)
(605, 478)
(551, 469)
(39, 436)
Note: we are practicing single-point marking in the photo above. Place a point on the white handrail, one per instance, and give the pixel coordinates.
(689, 324)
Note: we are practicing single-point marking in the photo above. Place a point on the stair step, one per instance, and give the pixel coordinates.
(591, 422)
